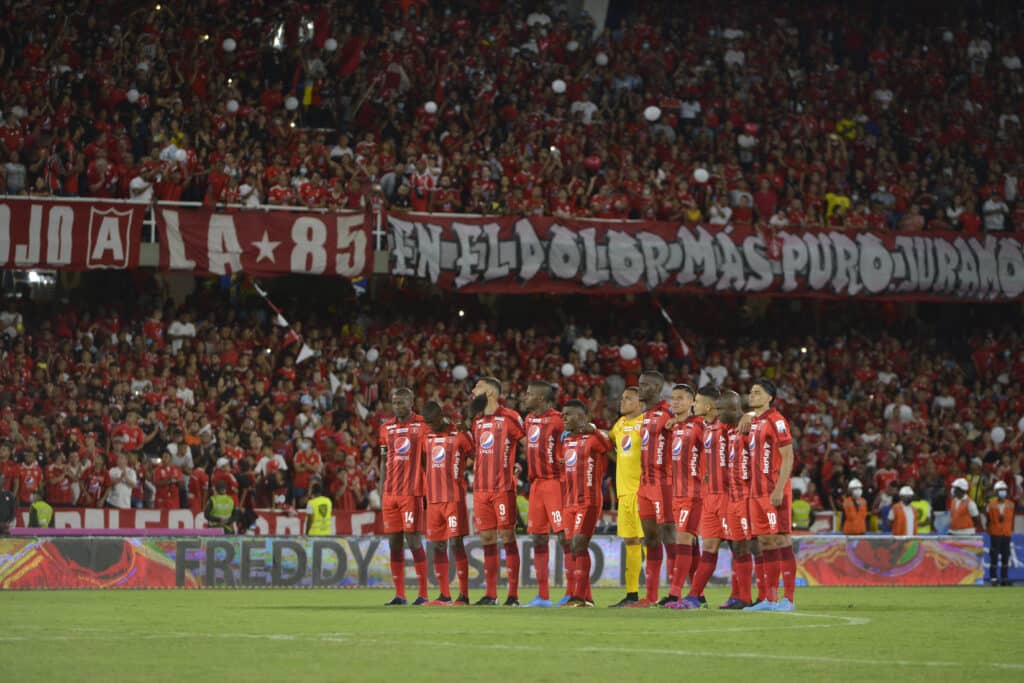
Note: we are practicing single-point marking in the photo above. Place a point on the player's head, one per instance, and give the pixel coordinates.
(729, 407)
(682, 400)
(574, 415)
(221, 487)
(630, 403)
(706, 404)
(489, 387)
(797, 494)
(651, 383)
(762, 393)
(539, 395)
(401, 402)
(433, 415)
(315, 489)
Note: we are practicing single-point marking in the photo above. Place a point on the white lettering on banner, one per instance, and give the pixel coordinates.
(58, 235)
(725, 259)
(309, 256)
(110, 242)
(223, 250)
(177, 259)
(28, 254)
(350, 261)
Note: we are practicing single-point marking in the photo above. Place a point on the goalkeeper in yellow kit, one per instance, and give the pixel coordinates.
(625, 435)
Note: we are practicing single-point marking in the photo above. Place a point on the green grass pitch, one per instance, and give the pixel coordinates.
(839, 634)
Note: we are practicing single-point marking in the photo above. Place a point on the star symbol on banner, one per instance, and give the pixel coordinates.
(266, 248)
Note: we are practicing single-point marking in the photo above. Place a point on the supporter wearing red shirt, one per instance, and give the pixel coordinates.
(30, 479)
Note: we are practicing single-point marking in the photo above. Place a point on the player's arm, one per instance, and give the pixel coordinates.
(309, 516)
(785, 470)
(746, 420)
(614, 433)
(604, 441)
(975, 514)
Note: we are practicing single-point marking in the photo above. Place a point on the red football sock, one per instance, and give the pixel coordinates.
(441, 567)
(569, 559)
(773, 570)
(582, 572)
(541, 557)
(653, 568)
(735, 591)
(684, 558)
(491, 570)
(398, 571)
(512, 568)
(705, 569)
(741, 570)
(462, 570)
(419, 559)
(761, 567)
(787, 560)
(670, 561)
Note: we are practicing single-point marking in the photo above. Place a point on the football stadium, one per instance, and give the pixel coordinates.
(511, 339)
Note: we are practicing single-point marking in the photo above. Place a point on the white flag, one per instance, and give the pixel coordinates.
(305, 353)
(280, 321)
(335, 383)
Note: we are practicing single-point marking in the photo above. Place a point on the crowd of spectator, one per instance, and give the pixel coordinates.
(848, 115)
(152, 405)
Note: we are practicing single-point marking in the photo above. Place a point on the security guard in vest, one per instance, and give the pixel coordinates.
(803, 517)
(220, 510)
(923, 509)
(963, 512)
(40, 514)
(318, 512)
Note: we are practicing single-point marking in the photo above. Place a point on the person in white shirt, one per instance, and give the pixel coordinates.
(11, 323)
(585, 344)
(141, 189)
(122, 480)
(182, 328)
(269, 456)
(994, 212)
(183, 393)
(719, 213)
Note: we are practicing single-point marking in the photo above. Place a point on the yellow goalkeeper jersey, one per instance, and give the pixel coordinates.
(625, 434)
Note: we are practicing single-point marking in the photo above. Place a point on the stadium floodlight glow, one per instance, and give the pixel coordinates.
(803, 349)
(462, 313)
(34, 277)
(158, 7)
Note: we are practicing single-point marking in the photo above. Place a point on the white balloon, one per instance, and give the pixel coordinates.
(568, 370)
(1020, 425)
(652, 113)
(601, 59)
(229, 45)
(132, 95)
(232, 106)
(372, 355)
(330, 45)
(998, 435)
(572, 46)
(181, 155)
(459, 372)
(627, 352)
(291, 103)
(430, 107)
(558, 85)
(701, 175)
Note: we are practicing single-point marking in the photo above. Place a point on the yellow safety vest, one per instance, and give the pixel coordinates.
(222, 506)
(801, 514)
(320, 520)
(44, 514)
(923, 510)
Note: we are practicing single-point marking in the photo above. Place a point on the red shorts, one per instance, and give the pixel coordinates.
(686, 512)
(655, 502)
(545, 507)
(494, 510)
(714, 507)
(738, 520)
(402, 514)
(447, 520)
(766, 519)
(584, 520)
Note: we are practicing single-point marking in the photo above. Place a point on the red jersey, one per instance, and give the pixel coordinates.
(584, 457)
(655, 470)
(229, 481)
(684, 445)
(495, 437)
(402, 444)
(445, 454)
(12, 473)
(198, 485)
(31, 480)
(168, 488)
(543, 432)
(713, 458)
(59, 493)
(768, 434)
(94, 485)
(309, 458)
(738, 457)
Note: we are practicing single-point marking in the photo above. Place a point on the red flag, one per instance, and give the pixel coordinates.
(291, 338)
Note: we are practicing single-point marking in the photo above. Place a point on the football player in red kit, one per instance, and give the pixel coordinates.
(544, 427)
(771, 495)
(684, 448)
(497, 431)
(584, 457)
(402, 503)
(445, 449)
(655, 496)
